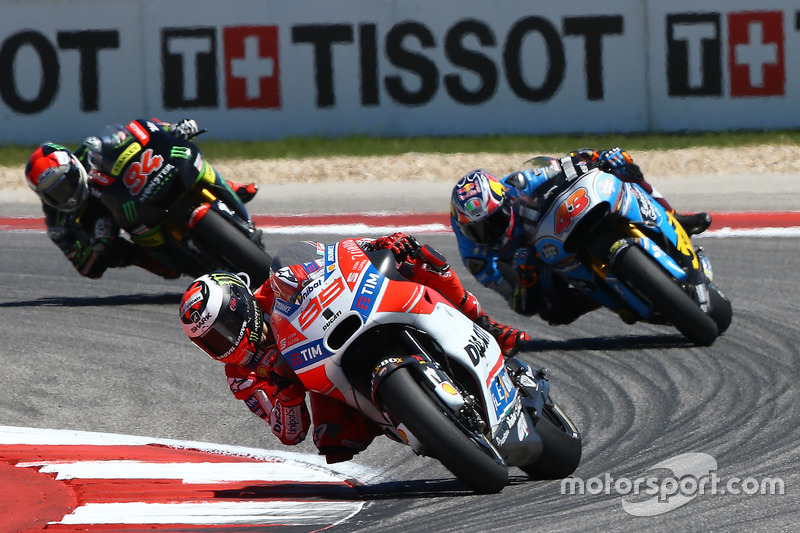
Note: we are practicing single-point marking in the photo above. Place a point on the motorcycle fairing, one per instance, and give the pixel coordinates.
(605, 194)
(364, 292)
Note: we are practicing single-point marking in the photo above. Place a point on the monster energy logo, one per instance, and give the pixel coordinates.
(181, 152)
(129, 209)
(226, 279)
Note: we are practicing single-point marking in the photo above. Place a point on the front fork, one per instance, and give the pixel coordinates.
(463, 407)
(533, 384)
(244, 224)
(685, 264)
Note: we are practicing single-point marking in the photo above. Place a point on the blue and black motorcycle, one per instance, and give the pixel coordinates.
(610, 241)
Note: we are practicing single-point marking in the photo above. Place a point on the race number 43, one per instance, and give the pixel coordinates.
(570, 210)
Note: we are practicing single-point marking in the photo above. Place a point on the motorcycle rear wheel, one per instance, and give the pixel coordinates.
(237, 251)
(665, 296)
(460, 451)
(561, 447)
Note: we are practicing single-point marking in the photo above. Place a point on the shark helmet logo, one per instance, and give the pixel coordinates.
(193, 304)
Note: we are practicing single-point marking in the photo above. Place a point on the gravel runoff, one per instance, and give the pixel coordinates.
(421, 182)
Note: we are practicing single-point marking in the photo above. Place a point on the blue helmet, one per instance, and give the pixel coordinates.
(481, 209)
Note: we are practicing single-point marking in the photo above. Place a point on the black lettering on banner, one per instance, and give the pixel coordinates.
(189, 64)
(51, 72)
(512, 58)
(403, 58)
(694, 54)
(89, 43)
(468, 59)
(368, 42)
(322, 37)
(593, 29)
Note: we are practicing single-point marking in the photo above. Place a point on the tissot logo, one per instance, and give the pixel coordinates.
(189, 63)
(251, 67)
(755, 45)
(189, 59)
(754, 52)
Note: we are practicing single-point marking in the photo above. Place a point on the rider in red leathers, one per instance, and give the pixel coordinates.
(224, 319)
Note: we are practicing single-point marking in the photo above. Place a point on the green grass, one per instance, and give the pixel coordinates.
(14, 155)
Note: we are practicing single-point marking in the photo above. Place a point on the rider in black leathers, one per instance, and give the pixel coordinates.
(76, 219)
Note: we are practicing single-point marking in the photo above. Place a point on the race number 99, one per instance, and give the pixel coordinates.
(326, 297)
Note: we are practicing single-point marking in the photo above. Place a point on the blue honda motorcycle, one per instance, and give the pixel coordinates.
(609, 240)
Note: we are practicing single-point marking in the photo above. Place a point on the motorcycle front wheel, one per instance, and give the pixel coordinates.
(721, 308)
(561, 446)
(468, 456)
(660, 291)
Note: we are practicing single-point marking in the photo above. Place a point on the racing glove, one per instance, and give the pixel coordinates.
(104, 234)
(289, 419)
(186, 129)
(400, 244)
(615, 158)
(84, 258)
(275, 398)
(284, 411)
(620, 163)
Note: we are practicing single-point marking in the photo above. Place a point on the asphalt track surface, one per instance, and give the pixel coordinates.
(109, 356)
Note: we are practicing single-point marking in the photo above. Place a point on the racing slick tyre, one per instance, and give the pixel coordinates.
(561, 446)
(660, 291)
(721, 309)
(236, 250)
(470, 458)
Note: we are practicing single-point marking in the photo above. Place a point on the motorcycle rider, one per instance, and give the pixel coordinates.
(224, 319)
(77, 221)
(492, 218)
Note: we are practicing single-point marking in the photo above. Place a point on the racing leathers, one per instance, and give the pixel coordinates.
(271, 390)
(91, 239)
(512, 268)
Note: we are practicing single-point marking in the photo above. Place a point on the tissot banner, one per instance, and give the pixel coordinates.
(266, 69)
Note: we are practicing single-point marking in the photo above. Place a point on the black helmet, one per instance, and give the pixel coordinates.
(221, 316)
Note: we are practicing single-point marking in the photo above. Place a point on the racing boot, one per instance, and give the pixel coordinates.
(693, 223)
(244, 192)
(510, 340)
(340, 432)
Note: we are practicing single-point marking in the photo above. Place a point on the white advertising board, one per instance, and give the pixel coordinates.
(265, 69)
(724, 65)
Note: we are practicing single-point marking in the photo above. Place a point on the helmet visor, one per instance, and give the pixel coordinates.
(65, 191)
(226, 333)
(491, 230)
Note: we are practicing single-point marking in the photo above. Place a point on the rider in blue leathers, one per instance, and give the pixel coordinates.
(493, 219)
